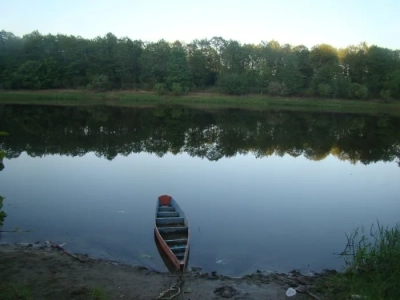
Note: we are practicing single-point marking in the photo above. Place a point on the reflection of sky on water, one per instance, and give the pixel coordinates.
(277, 213)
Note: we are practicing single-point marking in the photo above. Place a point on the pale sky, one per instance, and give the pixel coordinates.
(309, 22)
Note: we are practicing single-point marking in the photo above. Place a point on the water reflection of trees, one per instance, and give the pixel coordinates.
(2, 155)
(209, 134)
(2, 213)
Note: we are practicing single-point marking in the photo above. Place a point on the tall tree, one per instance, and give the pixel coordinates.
(178, 72)
(197, 63)
(10, 57)
(154, 63)
(380, 63)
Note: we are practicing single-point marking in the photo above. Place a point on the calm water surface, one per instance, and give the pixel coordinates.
(262, 190)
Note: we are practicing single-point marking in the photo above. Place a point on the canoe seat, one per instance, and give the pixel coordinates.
(166, 208)
(167, 214)
(170, 220)
(176, 242)
(175, 229)
(177, 249)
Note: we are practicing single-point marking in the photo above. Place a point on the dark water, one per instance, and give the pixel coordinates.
(262, 190)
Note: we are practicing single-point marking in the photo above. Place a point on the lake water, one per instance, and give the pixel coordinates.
(265, 190)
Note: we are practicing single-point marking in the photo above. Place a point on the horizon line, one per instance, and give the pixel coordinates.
(184, 42)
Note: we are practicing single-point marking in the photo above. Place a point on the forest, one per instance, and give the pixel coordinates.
(37, 62)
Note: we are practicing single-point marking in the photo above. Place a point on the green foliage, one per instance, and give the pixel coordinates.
(326, 75)
(197, 63)
(291, 79)
(354, 59)
(12, 291)
(277, 89)
(373, 263)
(100, 83)
(3, 133)
(381, 63)
(49, 73)
(27, 76)
(385, 95)
(341, 87)
(362, 92)
(178, 90)
(38, 61)
(375, 250)
(303, 64)
(324, 90)
(154, 62)
(97, 293)
(323, 55)
(233, 84)
(178, 73)
(358, 91)
(392, 84)
(160, 89)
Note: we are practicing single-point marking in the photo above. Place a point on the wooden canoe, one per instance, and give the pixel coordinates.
(172, 232)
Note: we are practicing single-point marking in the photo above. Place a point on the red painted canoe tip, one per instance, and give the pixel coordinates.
(165, 200)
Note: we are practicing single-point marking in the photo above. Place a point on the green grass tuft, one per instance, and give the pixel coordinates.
(372, 265)
(11, 291)
(97, 294)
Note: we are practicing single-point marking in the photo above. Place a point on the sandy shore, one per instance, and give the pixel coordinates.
(52, 274)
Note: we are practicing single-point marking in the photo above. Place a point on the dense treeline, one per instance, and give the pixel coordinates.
(38, 61)
(112, 131)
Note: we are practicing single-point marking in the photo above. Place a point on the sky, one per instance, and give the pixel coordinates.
(308, 22)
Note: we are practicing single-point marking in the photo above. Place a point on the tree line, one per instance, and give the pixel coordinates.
(38, 61)
(208, 134)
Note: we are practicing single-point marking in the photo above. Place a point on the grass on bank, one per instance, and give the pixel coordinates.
(255, 101)
(372, 266)
(12, 291)
(97, 293)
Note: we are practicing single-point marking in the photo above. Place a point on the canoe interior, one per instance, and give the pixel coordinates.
(172, 227)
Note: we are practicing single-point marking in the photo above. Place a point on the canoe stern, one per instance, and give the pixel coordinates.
(164, 200)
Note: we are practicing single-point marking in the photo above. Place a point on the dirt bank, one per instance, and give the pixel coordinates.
(49, 273)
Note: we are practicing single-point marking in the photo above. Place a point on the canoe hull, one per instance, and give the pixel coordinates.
(167, 261)
(171, 226)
